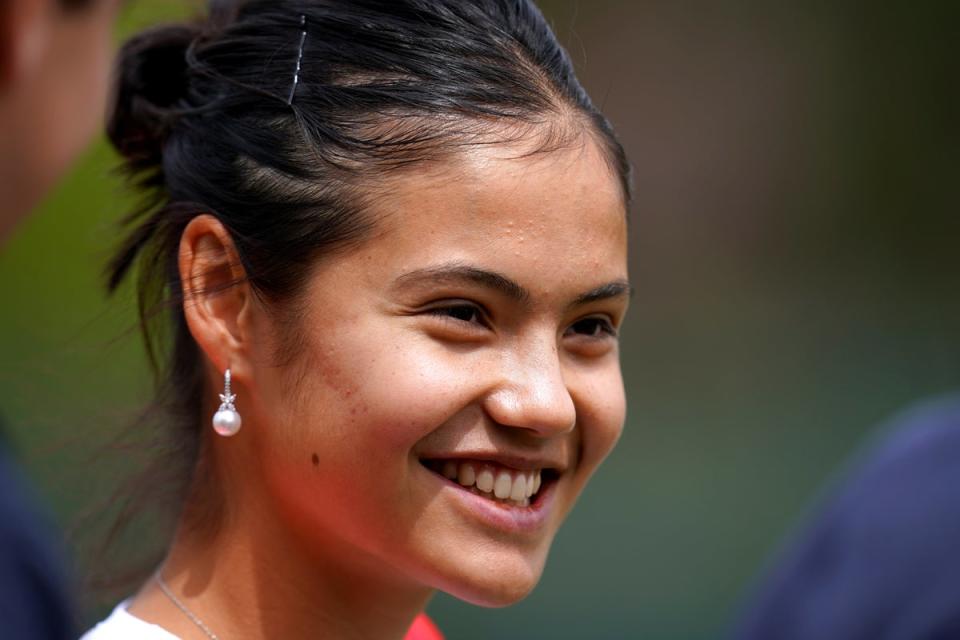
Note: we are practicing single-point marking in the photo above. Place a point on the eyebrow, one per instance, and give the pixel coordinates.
(455, 273)
(615, 289)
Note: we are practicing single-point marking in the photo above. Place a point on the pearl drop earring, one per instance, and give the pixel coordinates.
(226, 421)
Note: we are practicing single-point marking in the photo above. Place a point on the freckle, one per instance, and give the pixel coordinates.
(316, 459)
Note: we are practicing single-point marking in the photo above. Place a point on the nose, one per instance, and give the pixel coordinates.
(533, 395)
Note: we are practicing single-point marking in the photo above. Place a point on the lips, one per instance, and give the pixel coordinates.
(494, 481)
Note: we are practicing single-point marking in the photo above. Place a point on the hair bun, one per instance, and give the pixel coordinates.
(151, 78)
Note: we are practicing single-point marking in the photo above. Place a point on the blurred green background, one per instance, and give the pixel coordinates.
(795, 257)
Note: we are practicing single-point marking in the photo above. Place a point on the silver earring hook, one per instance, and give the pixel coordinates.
(226, 421)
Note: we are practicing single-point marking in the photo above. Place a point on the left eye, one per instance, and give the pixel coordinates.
(593, 327)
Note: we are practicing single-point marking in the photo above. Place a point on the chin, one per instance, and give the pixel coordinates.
(495, 584)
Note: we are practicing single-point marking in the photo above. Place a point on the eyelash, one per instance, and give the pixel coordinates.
(603, 325)
(471, 314)
(475, 314)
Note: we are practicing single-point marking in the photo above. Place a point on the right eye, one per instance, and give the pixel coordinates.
(460, 312)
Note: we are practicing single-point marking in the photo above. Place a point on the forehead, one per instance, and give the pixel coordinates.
(542, 217)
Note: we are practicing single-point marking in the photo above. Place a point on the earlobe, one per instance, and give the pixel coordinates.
(216, 295)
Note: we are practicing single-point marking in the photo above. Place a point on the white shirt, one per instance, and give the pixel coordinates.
(121, 625)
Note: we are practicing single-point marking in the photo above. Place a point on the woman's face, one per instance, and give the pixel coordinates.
(461, 358)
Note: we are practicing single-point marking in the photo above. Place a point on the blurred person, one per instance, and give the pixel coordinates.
(388, 240)
(878, 560)
(55, 58)
(54, 66)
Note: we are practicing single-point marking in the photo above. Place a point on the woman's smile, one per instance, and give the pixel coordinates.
(514, 496)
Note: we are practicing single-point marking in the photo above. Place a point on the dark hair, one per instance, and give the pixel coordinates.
(204, 116)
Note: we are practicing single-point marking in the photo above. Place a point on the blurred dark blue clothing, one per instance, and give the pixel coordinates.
(34, 602)
(881, 558)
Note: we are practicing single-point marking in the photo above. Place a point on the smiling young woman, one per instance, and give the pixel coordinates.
(401, 226)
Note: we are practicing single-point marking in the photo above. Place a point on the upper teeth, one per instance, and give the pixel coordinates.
(504, 484)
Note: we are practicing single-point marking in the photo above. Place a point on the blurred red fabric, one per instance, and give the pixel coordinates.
(423, 628)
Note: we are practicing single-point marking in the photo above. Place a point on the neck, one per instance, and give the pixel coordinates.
(253, 579)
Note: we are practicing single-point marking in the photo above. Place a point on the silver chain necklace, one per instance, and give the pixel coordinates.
(194, 618)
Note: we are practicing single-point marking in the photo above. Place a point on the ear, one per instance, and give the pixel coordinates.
(217, 298)
(25, 29)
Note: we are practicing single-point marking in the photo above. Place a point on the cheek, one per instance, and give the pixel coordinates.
(602, 418)
(338, 455)
(375, 391)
